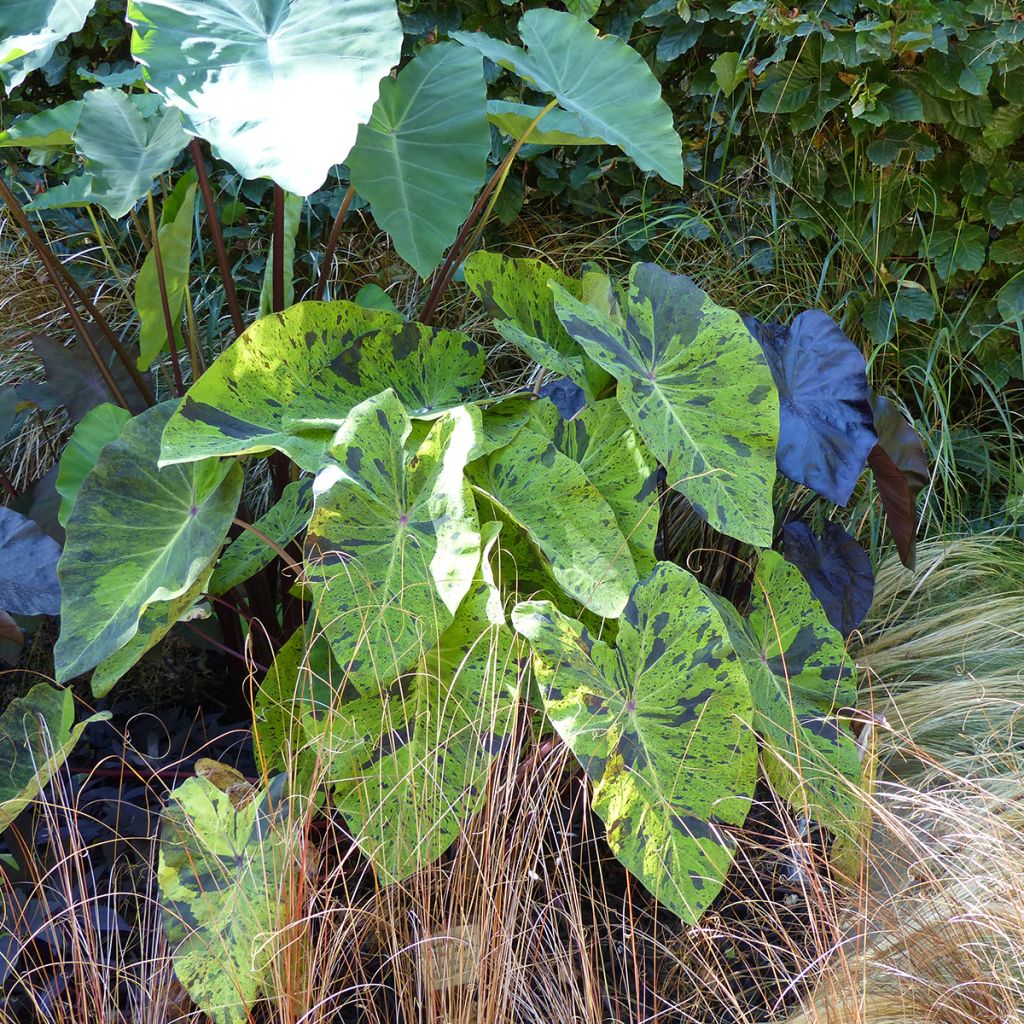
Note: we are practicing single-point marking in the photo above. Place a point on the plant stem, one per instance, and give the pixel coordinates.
(459, 247)
(164, 302)
(218, 239)
(332, 242)
(277, 252)
(282, 553)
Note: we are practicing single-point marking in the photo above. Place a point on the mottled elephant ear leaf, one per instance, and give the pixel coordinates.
(28, 567)
(837, 569)
(617, 462)
(110, 574)
(237, 407)
(901, 473)
(800, 677)
(696, 387)
(661, 724)
(548, 495)
(224, 886)
(37, 732)
(421, 771)
(393, 542)
(826, 428)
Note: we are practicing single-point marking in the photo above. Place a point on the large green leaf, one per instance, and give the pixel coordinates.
(800, 676)
(695, 384)
(30, 31)
(224, 874)
(548, 495)
(37, 732)
(424, 748)
(661, 723)
(421, 158)
(393, 542)
(100, 425)
(136, 535)
(599, 78)
(124, 150)
(278, 87)
(175, 240)
(617, 462)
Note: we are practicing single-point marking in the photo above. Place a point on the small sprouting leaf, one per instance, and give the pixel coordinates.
(661, 724)
(696, 386)
(100, 425)
(800, 678)
(393, 542)
(837, 569)
(37, 732)
(556, 128)
(28, 567)
(110, 573)
(826, 428)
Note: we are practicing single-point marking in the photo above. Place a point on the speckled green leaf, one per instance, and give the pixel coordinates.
(249, 552)
(224, 876)
(428, 743)
(599, 78)
(696, 386)
(661, 723)
(617, 462)
(137, 535)
(548, 494)
(37, 732)
(800, 676)
(238, 406)
(430, 370)
(393, 542)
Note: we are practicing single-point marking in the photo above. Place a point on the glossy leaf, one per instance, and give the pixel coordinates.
(393, 542)
(37, 732)
(547, 494)
(826, 428)
(277, 87)
(136, 535)
(249, 552)
(28, 567)
(599, 78)
(556, 128)
(224, 881)
(238, 406)
(175, 240)
(800, 677)
(30, 31)
(836, 568)
(100, 425)
(422, 157)
(661, 723)
(696, 387)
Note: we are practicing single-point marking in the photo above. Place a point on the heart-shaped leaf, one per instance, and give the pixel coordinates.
(30, 31)
(837, 570)
(277, 87)
(136, 535)
(661, 723)
(695, 385)
(422, 157)
(800, 677)
(393, 542)
(601, 79)
(826, 428)
(28, 567)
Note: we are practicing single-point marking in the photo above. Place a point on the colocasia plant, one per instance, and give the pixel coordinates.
(441, 556)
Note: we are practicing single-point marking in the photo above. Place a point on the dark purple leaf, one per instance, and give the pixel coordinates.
(28, 567)
(826, 427)
(901, 443)
(567, 396)
(836, 568)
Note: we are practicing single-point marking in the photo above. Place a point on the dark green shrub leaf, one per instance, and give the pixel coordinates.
(695, 385)
(955, 247)
(251, 76)
(661, 724)
(826, 428)
(136, 535)
(28, 567)
(393, 543)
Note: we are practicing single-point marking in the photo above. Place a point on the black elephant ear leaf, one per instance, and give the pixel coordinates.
(836, 568)
(28, 567)
(901, 473)
(826, 427)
